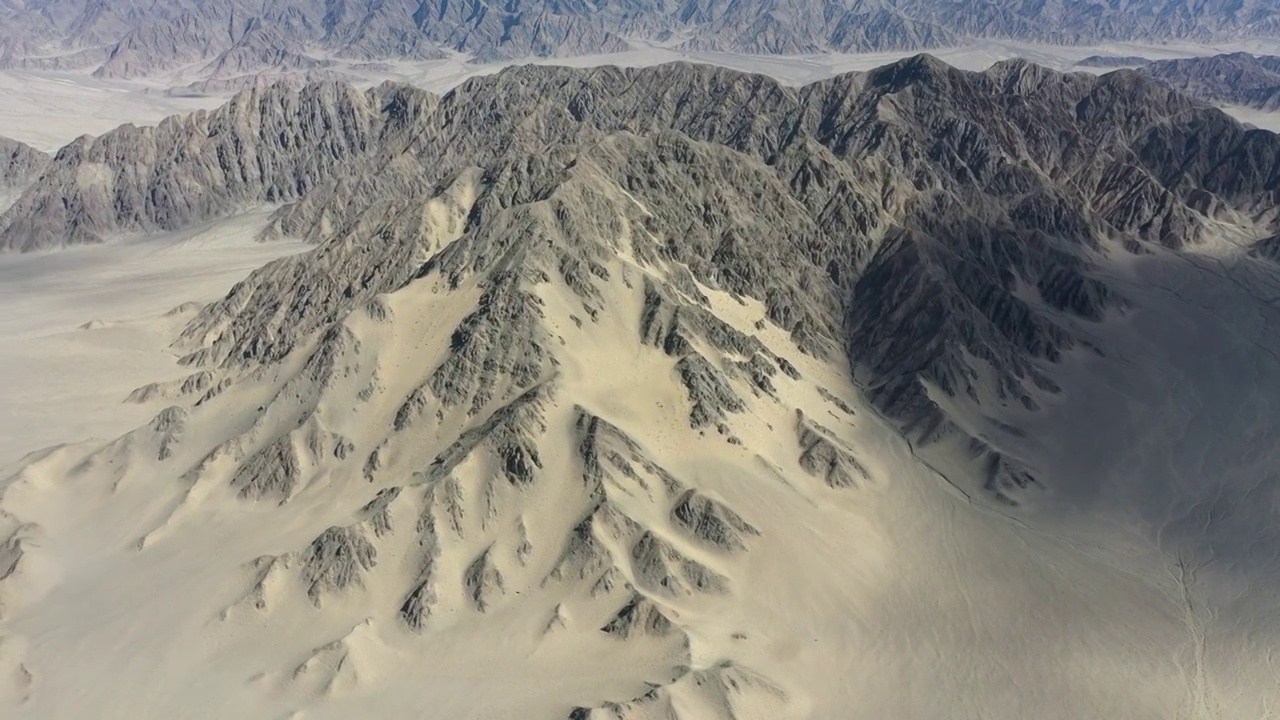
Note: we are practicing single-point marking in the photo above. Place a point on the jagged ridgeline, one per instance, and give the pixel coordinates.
(1234, 79)
(229, 40)
(567, 337)
(893, 215)
(19, 165)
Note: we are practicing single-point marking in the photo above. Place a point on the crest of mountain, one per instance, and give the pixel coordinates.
(18, 162)
(128, 39)
(1113, 61)
(19, 165)
(231, 84)
(627, 386)
(1236, 79)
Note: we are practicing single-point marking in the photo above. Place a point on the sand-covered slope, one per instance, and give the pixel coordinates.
(93, 324)
(500, 493)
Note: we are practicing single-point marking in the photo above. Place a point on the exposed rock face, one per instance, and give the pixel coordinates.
(260, 149)
(10, 554)
(482, 580)
(639, 616)
(711, 523)
(271, 472)
(237, 37)
(710, 396)
(19, 163)
(1235, 79)
(266, 146)
(335, 561)
(823, 455)
(661, 568)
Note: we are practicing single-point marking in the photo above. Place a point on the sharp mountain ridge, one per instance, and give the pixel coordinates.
(234, 38)
(1236, 79)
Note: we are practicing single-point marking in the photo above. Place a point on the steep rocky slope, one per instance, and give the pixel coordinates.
(859, 182)
(675, 393)
(1237, 79)
(19, 163)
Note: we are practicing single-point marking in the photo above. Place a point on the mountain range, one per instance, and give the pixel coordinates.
(675, 393)
(229, 38)
(1236, 79)
(1240, 79)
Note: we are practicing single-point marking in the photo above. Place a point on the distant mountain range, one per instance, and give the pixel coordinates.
(226, 38)
(1235, 79)
(1113, 61)
(1232, 78)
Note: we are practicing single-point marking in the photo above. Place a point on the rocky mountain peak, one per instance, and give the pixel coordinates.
(923, 69)
(1233, 78)
(19, 163)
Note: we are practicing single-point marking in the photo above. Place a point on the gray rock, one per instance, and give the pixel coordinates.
(824, 456)
(732, 690)
(709, 392)
(378, 511)
(605, 449)
(415, 610)
(660, 568)
(168, 426)
(499, 345)
(1233, 79)
(11, 552)
(582, 556)
(20, 164)
(266, 145)
(511, 434)
(711, 523)
(272, 472)
(640, 616)
(335, 561)
(483, 581)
